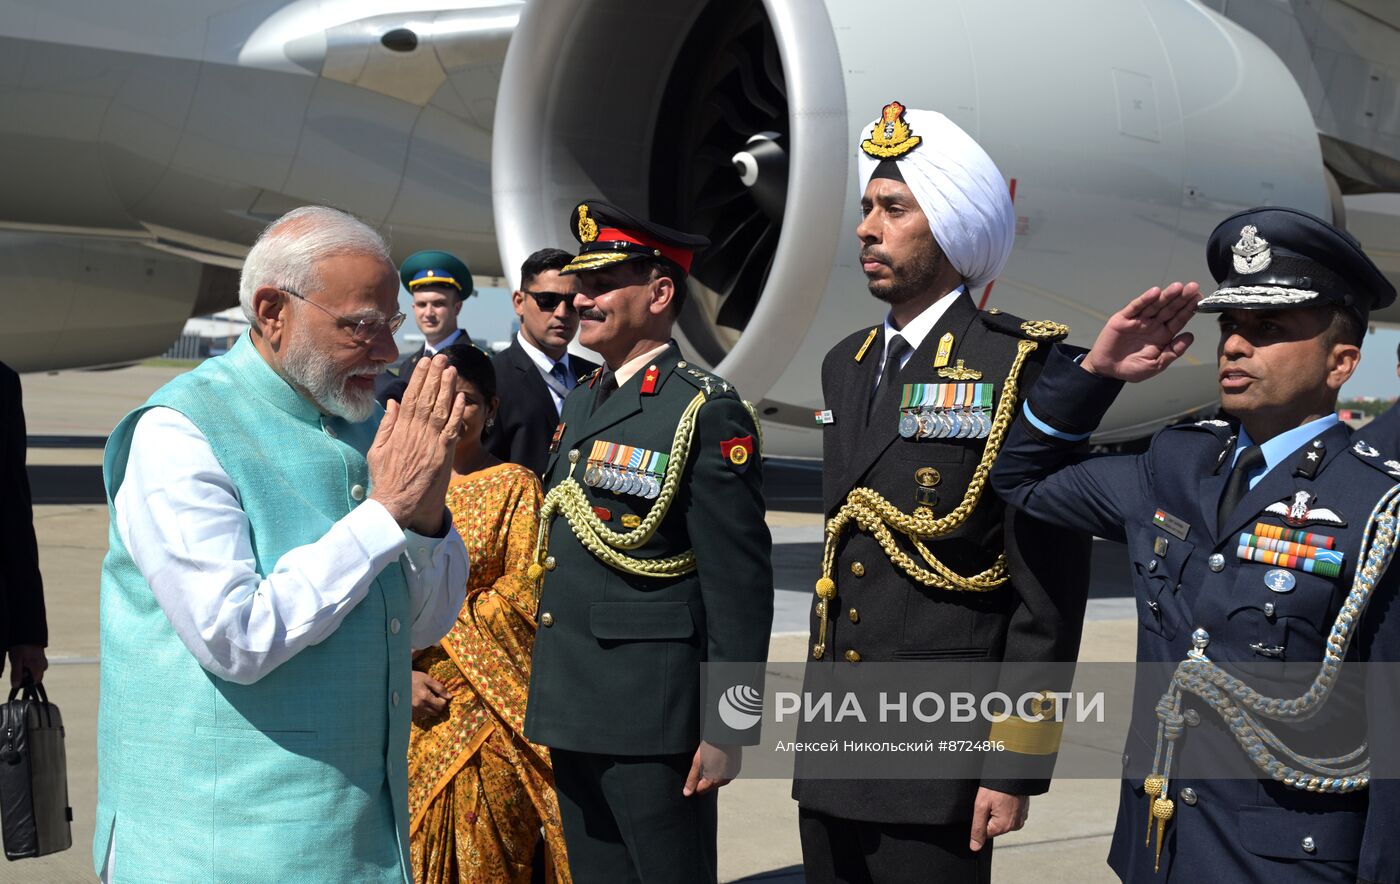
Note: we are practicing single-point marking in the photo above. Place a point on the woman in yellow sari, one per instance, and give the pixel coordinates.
(478, 793)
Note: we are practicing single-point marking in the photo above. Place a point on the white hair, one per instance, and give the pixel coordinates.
(288, 251)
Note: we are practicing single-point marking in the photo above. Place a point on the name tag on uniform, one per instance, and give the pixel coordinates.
(1171, 524)
(824, 417)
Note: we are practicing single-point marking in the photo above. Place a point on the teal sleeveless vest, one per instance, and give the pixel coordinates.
(303, 775)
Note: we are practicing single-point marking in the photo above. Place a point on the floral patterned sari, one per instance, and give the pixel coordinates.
(478, 793)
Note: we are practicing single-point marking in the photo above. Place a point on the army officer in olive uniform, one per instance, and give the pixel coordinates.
(1245, 542)
(656, 571)
(914, 409)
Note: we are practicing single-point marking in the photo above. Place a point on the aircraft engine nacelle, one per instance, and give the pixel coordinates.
(1129, 130)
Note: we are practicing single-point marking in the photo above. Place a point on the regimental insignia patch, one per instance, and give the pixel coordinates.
(1252, 252)
(587, 227)
(1299, 511)
(653, 374)
(890, 137)
(738, 452)
(945, 351)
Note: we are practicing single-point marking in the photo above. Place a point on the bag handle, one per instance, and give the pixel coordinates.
(29, 689)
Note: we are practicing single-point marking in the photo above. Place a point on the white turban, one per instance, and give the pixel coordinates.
(959, 188)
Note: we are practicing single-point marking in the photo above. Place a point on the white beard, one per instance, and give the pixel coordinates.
(315, 373)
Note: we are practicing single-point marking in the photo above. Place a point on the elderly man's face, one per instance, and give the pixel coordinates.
(898, 253)
(322, 353)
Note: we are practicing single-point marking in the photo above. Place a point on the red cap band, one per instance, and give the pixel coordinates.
(681, 257)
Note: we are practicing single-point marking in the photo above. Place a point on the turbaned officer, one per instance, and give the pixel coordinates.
(656, 569)
(1247, 550)
(915, 410)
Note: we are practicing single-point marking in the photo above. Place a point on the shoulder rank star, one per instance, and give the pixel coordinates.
(1299, 511)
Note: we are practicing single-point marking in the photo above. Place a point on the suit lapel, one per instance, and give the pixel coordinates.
(535, 386)
(872, 441)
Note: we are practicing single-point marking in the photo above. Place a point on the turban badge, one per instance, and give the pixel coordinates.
(890, 136)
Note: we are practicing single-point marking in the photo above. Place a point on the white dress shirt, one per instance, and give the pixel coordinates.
(545, 366)
(179, 516)
(916, 329)
(434, 349)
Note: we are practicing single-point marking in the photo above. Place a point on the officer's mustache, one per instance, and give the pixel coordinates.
(871, 254)
(591, 313)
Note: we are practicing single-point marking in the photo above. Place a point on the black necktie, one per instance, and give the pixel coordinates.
(1237, 486)
(894, 355)
(607, 385)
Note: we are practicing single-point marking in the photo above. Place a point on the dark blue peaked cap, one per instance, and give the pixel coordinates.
(1275, 258)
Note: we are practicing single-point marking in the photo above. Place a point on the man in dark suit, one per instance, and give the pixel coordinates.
(657, 598)
(23, 629)
(914, 411)
(1249, 548)
(536, 372)
(438, 282)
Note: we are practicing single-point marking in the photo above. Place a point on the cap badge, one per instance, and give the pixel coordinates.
(1252, 251)
(587, 227)
(890, 136)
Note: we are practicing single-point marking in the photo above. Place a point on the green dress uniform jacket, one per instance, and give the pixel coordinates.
(882, 615)
(617, 666)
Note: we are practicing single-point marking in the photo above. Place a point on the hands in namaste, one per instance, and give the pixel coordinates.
(410, 462)
(1146, 336)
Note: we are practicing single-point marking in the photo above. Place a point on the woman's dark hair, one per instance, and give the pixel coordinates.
(472, 365)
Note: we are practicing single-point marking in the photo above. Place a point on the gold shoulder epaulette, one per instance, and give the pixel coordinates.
(1045, 330)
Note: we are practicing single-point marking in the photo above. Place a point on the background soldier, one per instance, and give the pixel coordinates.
(914, 410)
(1244, 543)
(655, 559)
(438, 282)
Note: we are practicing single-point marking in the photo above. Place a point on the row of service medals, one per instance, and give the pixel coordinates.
(625, 469)
(946, 411)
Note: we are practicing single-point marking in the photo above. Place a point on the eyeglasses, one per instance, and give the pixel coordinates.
(548, 302)
(363, 330)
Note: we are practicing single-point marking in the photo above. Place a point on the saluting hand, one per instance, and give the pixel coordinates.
(1146, 336)
(410, 462)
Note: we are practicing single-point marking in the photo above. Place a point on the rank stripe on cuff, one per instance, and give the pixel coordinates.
(1028, 737)
(1048, 430)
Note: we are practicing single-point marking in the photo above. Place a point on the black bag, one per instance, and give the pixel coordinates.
(34, 812)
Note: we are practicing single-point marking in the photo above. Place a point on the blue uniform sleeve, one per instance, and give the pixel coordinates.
(1039, 470)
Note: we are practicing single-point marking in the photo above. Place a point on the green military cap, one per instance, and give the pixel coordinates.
(435, 267)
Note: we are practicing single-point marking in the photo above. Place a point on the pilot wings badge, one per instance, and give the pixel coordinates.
(1252, 251)
(1299, 511)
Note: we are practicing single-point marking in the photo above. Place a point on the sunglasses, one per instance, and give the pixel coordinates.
(548, 302)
